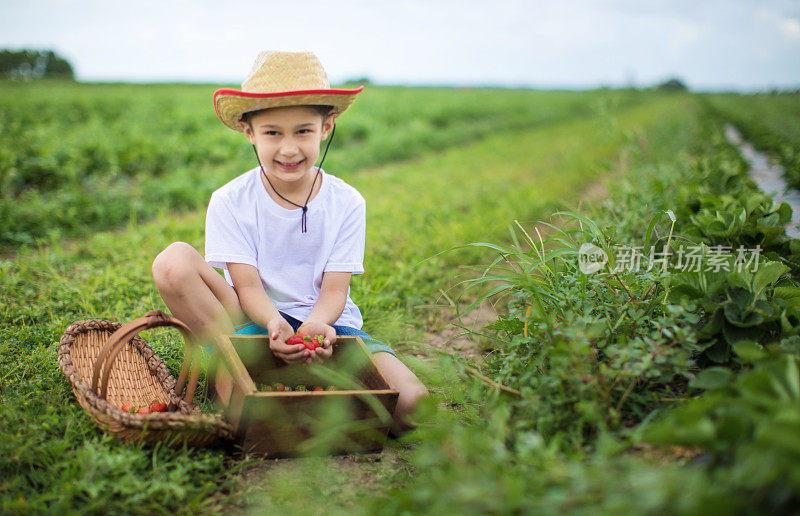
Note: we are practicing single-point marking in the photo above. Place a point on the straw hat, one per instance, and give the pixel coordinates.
(281, 79)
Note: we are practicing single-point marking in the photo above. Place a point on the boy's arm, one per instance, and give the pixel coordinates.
(332, 298)
(252, 296)
(326, 311)
(259, 308)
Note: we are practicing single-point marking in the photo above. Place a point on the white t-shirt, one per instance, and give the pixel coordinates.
(245, 225)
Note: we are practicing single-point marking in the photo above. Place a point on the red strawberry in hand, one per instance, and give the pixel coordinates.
(307, 341)
(294, 339)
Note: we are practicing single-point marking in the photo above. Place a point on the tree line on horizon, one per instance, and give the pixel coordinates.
(29, 65)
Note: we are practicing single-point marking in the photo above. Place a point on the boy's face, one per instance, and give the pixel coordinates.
(287, 140)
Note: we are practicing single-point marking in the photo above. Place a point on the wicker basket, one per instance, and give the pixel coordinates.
(109, 365)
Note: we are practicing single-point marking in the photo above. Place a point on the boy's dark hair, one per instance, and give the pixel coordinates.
(323, 111)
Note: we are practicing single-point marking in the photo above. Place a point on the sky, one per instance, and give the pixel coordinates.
(709, 44)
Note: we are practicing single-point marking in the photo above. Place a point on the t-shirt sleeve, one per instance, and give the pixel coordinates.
(348, 250)
(226, 240)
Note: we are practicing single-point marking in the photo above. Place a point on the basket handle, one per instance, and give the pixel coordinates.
(115, 343)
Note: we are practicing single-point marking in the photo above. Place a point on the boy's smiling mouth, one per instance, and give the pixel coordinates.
(290, 165)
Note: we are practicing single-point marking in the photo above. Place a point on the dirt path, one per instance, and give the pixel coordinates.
(458, 335)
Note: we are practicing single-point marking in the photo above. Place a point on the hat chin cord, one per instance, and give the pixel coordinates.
(304, 206)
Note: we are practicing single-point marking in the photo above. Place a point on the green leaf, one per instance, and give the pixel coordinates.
(790, 345)
(740, 297)
(773, 219)
(749, 351)
(734, 334)
(767, 274)
(719, 352)
(765, 309)
(712, 378)
(714, 323)
(772, 236)
(789, 294)
(733, 312)
(649, 233)
(793, 377)
(697, 431)
(746, 319)
(751, 202)
(512, 325)
(759, 387)
(684, 291)
(717, 229)
(789, 326)
(739, 279)
(785, 213)
(779, 437)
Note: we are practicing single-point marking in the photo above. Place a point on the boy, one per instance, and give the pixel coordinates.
(287, 234)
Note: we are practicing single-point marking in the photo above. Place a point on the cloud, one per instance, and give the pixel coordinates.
(789, 27)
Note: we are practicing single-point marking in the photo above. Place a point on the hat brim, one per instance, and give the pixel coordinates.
(231, 104)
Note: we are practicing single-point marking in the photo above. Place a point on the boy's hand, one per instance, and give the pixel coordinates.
(314, 328)
(280, 330)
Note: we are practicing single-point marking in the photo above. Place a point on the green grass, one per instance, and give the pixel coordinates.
(476, 450)
(489, 451)
(75, 158)
(468, 165)
(54, 459)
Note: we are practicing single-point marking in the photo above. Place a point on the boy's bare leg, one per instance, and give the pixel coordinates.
(194, 292)
(403, 380)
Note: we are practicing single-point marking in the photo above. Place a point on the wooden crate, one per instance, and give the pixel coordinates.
(354, 418)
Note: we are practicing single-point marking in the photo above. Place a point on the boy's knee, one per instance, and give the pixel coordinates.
(410, 395)
(174, 264)
(415, 392)
(411, 391)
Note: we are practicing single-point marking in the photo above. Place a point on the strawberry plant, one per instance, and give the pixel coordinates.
(737, 306)
(747, 425)
(588, 351)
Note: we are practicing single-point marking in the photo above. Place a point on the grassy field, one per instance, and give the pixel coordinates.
(477, 450)
(75, 158)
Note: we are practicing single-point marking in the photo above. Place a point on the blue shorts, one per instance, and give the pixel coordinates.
(374, 346)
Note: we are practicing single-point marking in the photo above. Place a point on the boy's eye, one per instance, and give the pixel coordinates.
(304, 131)
(271, 133)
